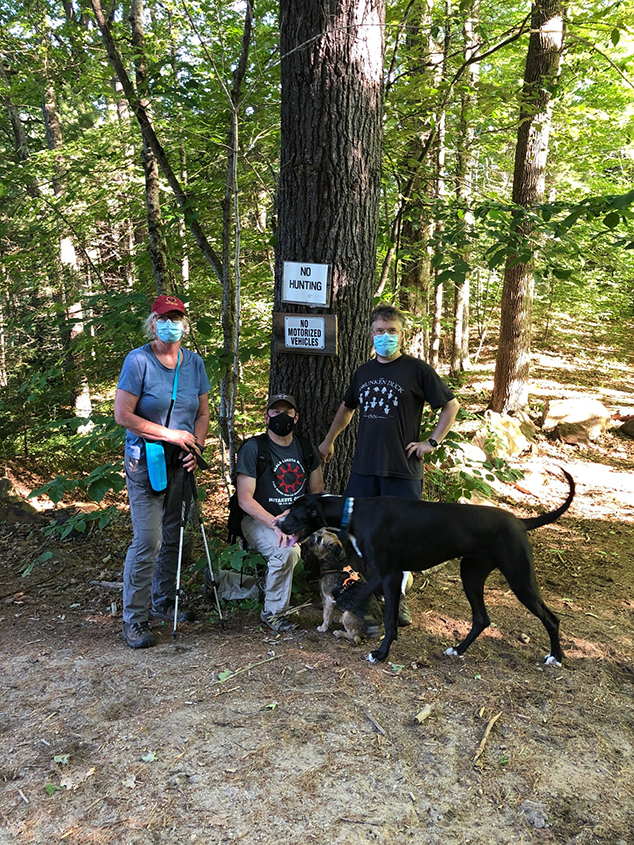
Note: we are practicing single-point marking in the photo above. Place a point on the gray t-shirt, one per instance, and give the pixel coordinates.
(143, 375)
(285, 478)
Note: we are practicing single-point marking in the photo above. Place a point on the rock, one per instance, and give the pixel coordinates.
(22, 513)
(627, 428)
(589, 415)
(504, 436)
(7, 493)
(575, 433)
(535, 813)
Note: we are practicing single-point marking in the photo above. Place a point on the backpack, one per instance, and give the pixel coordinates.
(234, 521)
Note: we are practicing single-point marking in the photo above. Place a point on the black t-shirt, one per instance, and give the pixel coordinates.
(285, 478)
(390, 398)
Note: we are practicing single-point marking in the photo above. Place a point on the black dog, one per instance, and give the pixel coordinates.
(340, 586)
(393, 534)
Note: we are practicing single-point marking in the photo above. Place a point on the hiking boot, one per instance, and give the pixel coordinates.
(166, 611)
(404, 616)
(279, 624)
(138, 635)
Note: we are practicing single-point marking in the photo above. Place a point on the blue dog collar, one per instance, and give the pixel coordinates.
(348, 507)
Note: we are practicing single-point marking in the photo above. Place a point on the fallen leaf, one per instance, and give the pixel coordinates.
(61, 758)
(130, 781)
(150, 757)
(76, 779)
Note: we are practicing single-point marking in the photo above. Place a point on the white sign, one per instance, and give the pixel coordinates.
(304, 332)
(305, 284)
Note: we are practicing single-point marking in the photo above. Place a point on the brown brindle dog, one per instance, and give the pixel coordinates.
(340, 585)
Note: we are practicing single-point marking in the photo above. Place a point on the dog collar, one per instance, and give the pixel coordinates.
(348, 506)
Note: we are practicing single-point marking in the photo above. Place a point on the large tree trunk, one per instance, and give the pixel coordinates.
(510, 389)
(331, 121)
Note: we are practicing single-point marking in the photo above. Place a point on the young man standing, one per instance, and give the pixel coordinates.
(292, 468)
(390, 391)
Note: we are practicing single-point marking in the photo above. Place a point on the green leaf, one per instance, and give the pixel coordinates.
(61, 758)
(497, 258)
(51, 789)
(612, 219)
(623, 200)
(204, 327)
(615, 36)
(561, 274)
(226, 673)
(149, 757)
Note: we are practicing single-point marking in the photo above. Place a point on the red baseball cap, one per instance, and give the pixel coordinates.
(164, 304)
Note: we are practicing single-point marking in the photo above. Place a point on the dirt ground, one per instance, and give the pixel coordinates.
(244, 736)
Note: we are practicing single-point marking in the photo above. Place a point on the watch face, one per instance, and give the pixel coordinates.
(433, 442)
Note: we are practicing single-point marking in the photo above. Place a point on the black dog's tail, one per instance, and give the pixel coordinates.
(547, 518)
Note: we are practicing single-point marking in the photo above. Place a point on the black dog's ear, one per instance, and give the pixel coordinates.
(315, 510)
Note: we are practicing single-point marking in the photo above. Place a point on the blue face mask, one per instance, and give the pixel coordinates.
(169, 331)
(385, 344)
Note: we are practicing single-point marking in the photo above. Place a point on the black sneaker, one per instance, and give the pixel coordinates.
(138, 635)
(279, 624)
(404, 616)
(166, 611)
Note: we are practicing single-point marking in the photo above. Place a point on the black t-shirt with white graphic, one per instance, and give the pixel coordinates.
(390, 398)
(285, 478)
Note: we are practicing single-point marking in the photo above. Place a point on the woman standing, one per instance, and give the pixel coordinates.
(152, 376)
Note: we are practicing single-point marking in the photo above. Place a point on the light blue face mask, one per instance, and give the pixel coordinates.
(169, 331)
(385, 344)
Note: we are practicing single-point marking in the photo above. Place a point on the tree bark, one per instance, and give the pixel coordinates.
(231, 233)
(464, 183)
(157, 246)
(329, 191)
(440, 52)
(512, 367)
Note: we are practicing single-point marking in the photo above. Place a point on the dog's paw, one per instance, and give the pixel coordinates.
(549, 660)
(372, 658)
(451, 652)
(322, 628)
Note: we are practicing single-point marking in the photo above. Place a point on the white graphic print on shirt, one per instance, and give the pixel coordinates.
(379, 397)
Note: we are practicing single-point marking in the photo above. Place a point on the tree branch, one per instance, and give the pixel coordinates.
(147, 130)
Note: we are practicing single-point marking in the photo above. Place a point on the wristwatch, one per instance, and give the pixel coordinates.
(433, 443)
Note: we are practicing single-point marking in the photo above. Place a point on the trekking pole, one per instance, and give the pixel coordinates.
(180, 551)
(212, 575)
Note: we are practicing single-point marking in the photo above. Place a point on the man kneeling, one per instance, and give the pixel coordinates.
(273, 470)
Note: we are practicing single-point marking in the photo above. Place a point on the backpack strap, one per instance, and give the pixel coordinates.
(264, 454)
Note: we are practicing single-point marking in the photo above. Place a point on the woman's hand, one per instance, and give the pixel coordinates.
(185, 439)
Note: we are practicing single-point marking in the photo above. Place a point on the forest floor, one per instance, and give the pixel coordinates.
(303, 740)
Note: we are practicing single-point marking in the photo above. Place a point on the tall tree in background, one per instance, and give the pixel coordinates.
(328, 197)
(510, 388)
(464, 181)
(157, 246)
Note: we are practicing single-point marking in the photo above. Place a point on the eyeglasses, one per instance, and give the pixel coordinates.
(175, 318)
(376, 332)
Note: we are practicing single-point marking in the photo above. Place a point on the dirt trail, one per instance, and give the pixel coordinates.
(101, 744)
